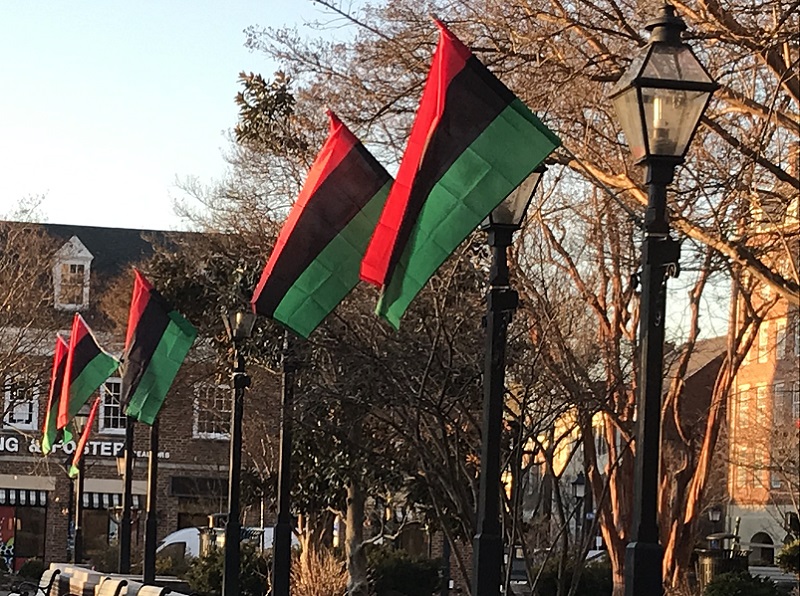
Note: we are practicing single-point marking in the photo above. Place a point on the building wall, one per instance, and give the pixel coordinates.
(192, 471)
(763, 424)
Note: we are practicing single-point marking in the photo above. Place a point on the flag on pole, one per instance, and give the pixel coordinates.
(472, 143)
(49, 430)
(88, 366)
(81, 446)
(156, 344)
(316, 259)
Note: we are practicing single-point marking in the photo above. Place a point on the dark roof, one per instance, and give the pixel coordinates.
(705, 352)
(113, 248)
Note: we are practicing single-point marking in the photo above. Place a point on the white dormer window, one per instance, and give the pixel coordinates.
(71, 275)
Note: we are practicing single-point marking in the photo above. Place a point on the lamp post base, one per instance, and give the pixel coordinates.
(643, 562)
(488, 562)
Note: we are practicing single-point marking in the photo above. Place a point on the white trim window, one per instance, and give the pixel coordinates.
(796, 401)
(211, 412)
(21, 403)
(762, 401)
(742, 409)
(781, 344)
(112, 419)
(763, 342)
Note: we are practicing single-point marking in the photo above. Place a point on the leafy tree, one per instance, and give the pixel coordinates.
(205, 573)
(394, 572)
(788, 558)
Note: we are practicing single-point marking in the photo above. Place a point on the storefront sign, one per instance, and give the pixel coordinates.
(13, 444)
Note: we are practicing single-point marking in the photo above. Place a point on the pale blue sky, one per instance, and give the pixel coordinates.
(103, 104)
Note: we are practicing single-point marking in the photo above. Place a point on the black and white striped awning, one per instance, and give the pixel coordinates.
(107, 500)
(23, 497)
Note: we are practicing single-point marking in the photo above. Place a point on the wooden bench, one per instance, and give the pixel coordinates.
(150, 591)
(110, 587)
(46, 582)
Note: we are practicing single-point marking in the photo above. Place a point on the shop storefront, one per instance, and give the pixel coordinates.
(23, 515)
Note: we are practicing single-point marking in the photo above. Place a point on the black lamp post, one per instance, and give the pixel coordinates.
(125, 459)
(151, 521)
(282, 547)
(78, 425)
(578, 493)
(501, 302)
(659, 102)
(239, 326)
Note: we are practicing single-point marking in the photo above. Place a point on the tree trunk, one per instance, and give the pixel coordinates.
(357, 584)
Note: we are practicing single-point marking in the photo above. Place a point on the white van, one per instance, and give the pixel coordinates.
(191, 542)
(180, 545)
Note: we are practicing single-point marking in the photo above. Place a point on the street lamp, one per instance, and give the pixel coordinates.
(282, 539)
(578, 493)
(501, 301)
(125, 459)
(239, 326)
(714, 515)
(579, 487)
(659, 103)
(79, 424)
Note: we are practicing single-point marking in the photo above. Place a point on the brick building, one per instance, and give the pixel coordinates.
(764, 415)
(763, 429)
(88, 270)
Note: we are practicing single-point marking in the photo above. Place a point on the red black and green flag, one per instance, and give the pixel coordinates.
(156, 344)
(472, 143)
(74, 470)
(49, 430)
(88, 366)
(316, 259)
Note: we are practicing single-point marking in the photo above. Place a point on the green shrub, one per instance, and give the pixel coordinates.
(595, 580)
(205, 573)
(789, 557)
(177, 567)
(32, 569)
(396, 573)
(740, 584)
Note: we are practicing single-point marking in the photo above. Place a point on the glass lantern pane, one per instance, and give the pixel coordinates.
(674, 64)
(632, 72)
(512, 209)
(671, 116)
(626, 105)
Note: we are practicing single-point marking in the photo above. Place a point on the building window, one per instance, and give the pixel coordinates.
(761, 407)
(742, 473)
(796, 402)
(780, 339)
(742, 414)
(21, 404)
(763, 342)
(112, 419)
(212, 412)
(779, 403)
(602, 446)
(71, 289)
